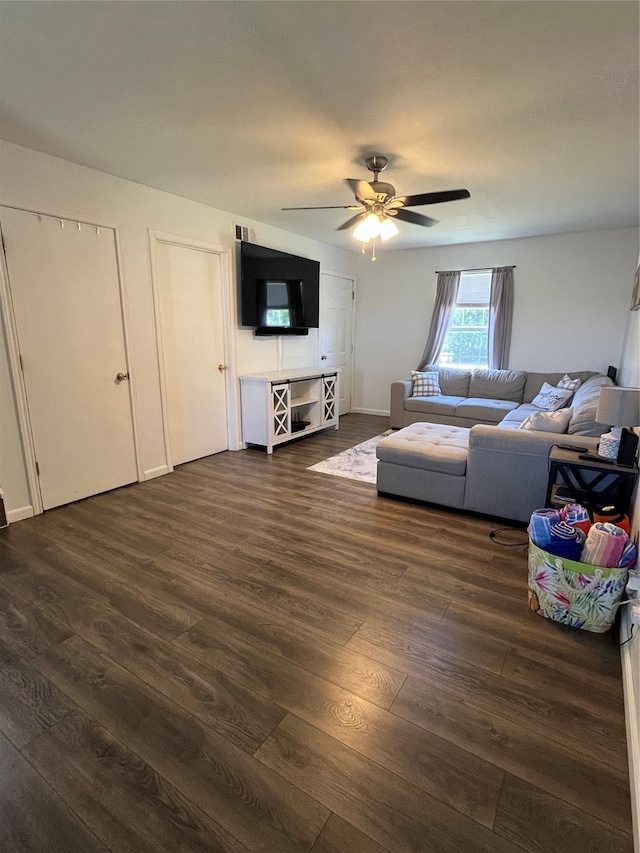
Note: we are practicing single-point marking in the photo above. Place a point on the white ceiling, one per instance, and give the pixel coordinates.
(253, 106)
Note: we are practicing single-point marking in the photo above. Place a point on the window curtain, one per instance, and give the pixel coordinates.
(500, 316)
(446, 293)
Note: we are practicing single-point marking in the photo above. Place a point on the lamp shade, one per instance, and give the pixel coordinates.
(388, 229)
(367, 228)
(619, 406)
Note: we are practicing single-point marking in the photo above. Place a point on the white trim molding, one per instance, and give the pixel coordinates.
(151, 473)
(358, 410)
(20, 514)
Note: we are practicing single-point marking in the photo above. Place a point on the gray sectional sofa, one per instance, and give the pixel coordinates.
(467, 450)
(478, 397)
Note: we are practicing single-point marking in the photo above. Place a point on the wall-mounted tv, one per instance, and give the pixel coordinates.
(279, 293)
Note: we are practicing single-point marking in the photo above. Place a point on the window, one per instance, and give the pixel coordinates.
(277, 312)
(467, 340)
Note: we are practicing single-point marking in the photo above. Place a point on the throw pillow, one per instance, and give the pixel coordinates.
(569, 384)
(548, 421)
(550, 399)
(425, 384)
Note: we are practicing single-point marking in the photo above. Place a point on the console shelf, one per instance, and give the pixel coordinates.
(281, 405)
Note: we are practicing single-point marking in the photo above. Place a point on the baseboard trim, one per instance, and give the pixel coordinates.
(20, 514)
(630, 657)
(382, 412)
(156, 472)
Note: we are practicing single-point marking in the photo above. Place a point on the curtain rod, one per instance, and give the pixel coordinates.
(475, 269)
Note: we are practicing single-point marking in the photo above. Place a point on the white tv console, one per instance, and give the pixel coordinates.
(284, 404)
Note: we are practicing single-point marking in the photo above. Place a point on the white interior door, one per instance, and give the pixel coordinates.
(65, 291)
(189, 287)
(336, 332)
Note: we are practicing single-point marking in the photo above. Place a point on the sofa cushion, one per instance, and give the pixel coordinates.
(513, 419)
(585, 404)
(484, 410)
(557, 421)
(425, 384)
(535, 381)
(454, 381)
(433, 405)
(550, 399)
(498, 384)
(433, 447)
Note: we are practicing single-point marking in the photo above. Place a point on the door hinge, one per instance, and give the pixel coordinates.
(353, 295)
(4, 245)
(37, 469)
(21, 362)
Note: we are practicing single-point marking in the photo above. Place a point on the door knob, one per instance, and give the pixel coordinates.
(222, 367)
(120, 377)
(323, 358)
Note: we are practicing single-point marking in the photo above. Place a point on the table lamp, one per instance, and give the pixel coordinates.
(619, 407)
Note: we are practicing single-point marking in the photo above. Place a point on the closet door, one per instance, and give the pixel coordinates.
(189, 286)
(336, 332)
(65, 291)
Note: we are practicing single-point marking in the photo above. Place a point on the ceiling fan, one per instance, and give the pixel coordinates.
(377, 204)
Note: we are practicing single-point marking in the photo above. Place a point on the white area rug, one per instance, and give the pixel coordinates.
(356, 463)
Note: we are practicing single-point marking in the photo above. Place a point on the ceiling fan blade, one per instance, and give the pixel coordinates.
(349, 222)
(362, 190)
(435, 198)
(416, 218)
(333, 207)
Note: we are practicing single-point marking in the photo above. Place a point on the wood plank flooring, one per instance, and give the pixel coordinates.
(247, 656)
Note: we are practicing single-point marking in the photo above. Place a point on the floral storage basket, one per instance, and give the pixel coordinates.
(576, 594)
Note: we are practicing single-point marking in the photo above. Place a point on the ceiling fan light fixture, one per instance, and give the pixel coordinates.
(388, 229)
(367, 228)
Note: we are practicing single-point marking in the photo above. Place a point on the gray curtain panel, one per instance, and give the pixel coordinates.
(446, 293)
(500, 317)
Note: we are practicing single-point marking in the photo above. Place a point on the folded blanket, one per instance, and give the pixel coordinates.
(540, 526)
(604, 545)
(552, 514)
(551, 533)
(629, 556)
(577, 516)
(566, 541)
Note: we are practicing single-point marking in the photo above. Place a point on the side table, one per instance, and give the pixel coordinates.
(589, 482)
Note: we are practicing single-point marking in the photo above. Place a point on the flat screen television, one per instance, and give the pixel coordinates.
(279, 293)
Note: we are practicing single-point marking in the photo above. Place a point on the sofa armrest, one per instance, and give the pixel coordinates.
(400, 391)
(508, 469)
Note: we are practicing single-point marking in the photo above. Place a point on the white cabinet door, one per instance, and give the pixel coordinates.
(329, 399)
(65, 291)
(280, 411)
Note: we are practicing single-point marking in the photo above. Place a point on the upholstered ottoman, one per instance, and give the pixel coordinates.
(426, 462)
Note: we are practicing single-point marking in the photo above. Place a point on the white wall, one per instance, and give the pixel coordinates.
(630, 360)
(572, 296)
(35, 181)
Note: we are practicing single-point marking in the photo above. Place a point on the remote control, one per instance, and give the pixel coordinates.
(593, 458)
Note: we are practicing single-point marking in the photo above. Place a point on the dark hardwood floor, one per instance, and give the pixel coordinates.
(246, 655)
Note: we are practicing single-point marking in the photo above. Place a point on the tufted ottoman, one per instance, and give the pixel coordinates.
(427, 462)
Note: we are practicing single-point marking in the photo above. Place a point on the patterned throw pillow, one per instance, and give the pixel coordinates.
(550, 399)
(548, 421)
(425, 384)
(569, 384)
